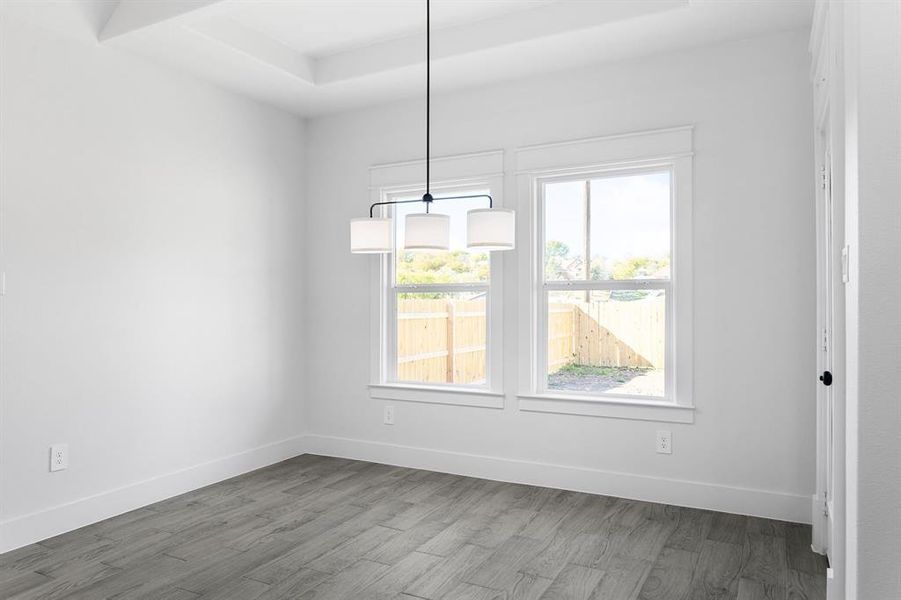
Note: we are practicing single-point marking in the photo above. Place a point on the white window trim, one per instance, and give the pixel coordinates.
(484, 169)
(665, 148)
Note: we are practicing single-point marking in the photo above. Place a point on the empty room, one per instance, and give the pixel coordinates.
(450, 299)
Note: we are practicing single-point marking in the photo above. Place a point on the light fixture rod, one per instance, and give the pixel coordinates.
(391, 202)
(428, 96)
(488, 229)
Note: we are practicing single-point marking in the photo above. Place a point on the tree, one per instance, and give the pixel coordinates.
(641, 267)
(456, 266)
(555, 255)
(555, 248)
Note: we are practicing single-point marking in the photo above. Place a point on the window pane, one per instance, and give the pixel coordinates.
(627, 222)
(630, 227)
(564, 230)
(607, 341)
(441, 337)
(458, 265)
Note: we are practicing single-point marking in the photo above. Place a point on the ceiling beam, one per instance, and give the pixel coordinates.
(134, 15)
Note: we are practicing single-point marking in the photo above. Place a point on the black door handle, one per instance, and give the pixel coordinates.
(826, 378)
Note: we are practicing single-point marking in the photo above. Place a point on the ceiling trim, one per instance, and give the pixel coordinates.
(238, 38)
(505, 30)
(210, 38)
(134, 15)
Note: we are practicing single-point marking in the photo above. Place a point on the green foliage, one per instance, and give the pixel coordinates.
(457, 266)
(587, 370)
(559, 265)
(617, 374)
(630, 295)
(598, 272)
(555, 248)
(555, 255)
(639, 267)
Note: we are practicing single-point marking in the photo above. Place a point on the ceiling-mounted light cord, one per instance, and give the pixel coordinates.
(488, 229)
(427, 197)
(428, 95)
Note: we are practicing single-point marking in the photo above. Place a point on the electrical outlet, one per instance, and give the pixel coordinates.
(664, 442)
(59, 457)
(389, 415)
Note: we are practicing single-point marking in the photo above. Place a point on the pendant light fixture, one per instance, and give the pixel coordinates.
(487, 229)
(490, 229)
(370, 236)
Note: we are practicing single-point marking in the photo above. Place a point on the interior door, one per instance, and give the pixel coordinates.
(829, 278)
(827, 376)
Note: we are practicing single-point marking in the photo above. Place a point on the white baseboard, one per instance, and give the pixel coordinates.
(34, 527)
(758, 503)
(818, 518)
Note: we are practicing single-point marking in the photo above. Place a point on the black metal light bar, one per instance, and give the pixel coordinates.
(428, 199)
(487, 228)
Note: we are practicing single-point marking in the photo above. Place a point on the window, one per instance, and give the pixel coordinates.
(437, 320)
(440, 301)
(606, 280)
(606, 326)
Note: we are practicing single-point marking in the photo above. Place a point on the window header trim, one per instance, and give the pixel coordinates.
(613, 151)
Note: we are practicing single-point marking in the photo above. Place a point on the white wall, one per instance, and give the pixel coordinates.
(151, 235)
(873, 45)
(166, 293)
(754, 274)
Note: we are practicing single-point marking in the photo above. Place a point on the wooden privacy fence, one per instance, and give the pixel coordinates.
(607, 334)
(443, 341)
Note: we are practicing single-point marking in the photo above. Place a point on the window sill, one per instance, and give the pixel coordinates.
(436, 395)
(643, 410)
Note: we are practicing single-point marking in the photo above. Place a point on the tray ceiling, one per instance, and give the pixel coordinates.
(314, 57)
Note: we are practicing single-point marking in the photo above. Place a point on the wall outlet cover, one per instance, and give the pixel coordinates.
(389, 415)
(59, 457)
(664, 442)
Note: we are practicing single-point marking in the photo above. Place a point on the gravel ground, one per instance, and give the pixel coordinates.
(623, 380)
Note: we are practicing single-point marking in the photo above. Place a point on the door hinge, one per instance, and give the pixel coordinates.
(846, 274)
(823, 176)
(825, 340)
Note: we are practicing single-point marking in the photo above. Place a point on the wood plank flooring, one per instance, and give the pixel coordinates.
(325, 528)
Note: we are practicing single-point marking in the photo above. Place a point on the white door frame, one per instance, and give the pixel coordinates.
(823, 498)
(829, 502)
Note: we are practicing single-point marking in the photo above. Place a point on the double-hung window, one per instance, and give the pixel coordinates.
(606, 256)
(609, 317)
(439, 302)
(439, 326)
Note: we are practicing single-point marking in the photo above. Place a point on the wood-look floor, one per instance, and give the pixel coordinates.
(316, 528)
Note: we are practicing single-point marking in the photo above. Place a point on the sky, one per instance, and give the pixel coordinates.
(630, 215)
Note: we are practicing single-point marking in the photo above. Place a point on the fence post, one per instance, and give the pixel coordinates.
(451, 354)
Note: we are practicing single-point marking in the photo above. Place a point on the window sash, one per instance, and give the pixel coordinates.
(606, 284)
(442, 287)
(489, 288)
(391, 335)
(669, 346)
(545, 286)
(587, 176)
